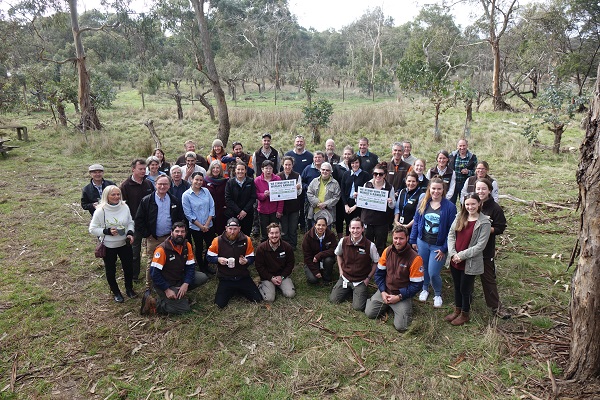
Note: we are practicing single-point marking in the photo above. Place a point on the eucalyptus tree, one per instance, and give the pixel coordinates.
(431, 60)
(573, 32)
(365, 47)
(497, 16)
(208, 67)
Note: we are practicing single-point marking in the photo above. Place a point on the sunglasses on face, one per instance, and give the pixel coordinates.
(378, 174)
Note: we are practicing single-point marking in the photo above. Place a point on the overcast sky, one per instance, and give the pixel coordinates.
(325, 14)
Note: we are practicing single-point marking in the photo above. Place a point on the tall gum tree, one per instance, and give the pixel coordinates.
(211, 71)
(584, 359)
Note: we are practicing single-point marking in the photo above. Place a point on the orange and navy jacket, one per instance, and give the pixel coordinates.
(400, 272)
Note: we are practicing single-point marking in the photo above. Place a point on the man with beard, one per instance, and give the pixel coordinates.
(237, 155)
(274, 262)
(399, 276)
(233, 253)
(318, 248)
(173, 272)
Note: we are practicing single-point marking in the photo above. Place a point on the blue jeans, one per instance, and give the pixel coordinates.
(432, 267)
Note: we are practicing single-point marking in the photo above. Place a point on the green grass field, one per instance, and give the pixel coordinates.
(63, 337)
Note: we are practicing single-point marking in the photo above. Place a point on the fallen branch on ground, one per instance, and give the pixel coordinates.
(533, 203)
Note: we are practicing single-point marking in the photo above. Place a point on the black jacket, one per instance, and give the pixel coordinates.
(239, 198)
(346, 185)
(89, 195)
(147, 213)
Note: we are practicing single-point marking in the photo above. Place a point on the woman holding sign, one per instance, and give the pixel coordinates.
(268, 211)
(376, 220)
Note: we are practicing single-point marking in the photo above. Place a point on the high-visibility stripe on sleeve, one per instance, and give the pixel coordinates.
(156, 265)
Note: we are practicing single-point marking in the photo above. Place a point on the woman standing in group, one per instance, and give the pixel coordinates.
(240, 195)
(419, 168)
(467, 238)
(481, 172)
(378, 222)
(408, 200)
(215, 183)
(351, 180)
(112, 221)
(217, 152)
(338, 172)
(163, 165)
(152, 164)
(429, 236)
(492, 209)
(199, 208)
(291, 208)
(269, 210)
(446, 173)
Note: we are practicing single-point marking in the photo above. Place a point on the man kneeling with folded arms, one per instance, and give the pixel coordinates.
(173, 273)
(399, 276)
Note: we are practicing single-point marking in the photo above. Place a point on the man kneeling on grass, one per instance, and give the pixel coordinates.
(233, 253)
(274, 262)
(173, 273)
(399, 276)
(357, 259)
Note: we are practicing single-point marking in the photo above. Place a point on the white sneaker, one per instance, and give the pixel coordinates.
(437, 301)
(423, 295)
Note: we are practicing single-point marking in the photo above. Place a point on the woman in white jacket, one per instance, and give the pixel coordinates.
(112, 222)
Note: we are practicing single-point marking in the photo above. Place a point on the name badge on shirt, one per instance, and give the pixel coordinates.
(362, 251)
(282, 254)
(171, 257)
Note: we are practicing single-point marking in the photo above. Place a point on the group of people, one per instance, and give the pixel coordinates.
(218, 204)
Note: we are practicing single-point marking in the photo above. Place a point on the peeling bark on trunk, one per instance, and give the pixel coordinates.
(584, 360)
(211, 72)
(89, 118)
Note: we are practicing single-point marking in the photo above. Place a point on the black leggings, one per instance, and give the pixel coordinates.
(199, 252)
(463, 289)
(125, 253)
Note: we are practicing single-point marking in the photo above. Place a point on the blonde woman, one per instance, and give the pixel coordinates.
(113, 223)
(429, 236)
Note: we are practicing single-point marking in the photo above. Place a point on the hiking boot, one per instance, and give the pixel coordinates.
(451, 317)
(148, 304)
(461, 319)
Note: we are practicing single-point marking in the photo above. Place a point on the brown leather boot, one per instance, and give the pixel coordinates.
(461, 319)
(451, 317)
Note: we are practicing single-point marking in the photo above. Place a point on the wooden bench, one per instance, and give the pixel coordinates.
(21, 131)
(5, 149)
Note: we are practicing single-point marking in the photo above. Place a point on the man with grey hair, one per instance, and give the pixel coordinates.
(397, 169)
(330, 155)
(178, 184)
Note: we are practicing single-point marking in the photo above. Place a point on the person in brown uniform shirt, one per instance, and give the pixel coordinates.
(318, 248)
(274, 262)
(357, 259)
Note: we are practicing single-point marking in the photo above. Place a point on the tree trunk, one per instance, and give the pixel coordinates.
(558, 131)
(469, 109)
(437, 134)
(316, 135)
(211, 72)
(584, 359)
(62, 116)
(207, 105)
(89, 117)
(498, 100)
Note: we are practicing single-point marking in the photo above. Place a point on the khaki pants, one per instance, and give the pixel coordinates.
(151, 245)
(268, 289)
(402, 310)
